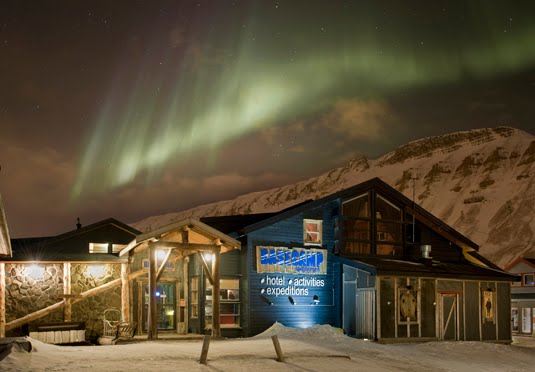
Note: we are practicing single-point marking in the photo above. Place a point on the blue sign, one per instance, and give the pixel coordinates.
(291, 260)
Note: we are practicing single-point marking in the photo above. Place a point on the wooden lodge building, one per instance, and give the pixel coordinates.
(366, 259)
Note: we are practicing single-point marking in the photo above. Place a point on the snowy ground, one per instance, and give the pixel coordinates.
(321, 348)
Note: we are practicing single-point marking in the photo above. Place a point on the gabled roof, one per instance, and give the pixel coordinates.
(227, 242)
(55, 248)
(94, 226)
(386, 190)
(5, 241)
(526, 260)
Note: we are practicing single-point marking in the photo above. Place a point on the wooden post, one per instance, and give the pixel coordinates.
(204, 351)
(278, 350)
(153, 314)
(185, 267)
(125, 292)
(67, 310)
(216, 321)
(2, 299)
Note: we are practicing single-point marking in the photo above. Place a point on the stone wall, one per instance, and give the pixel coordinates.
(30, 287)
(85, 277)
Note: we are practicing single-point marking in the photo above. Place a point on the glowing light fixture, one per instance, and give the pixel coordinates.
(35, 271)
(208, 257)
(160, 254)
(96, 270)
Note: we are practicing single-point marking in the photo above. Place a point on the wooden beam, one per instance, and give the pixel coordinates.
(2, 299)
(162, 267)
(216, 321)
(47, 310)
(186, 246)
(153, 314)
(206, 268)
(125, 292)
(67, 310)
(137, 274)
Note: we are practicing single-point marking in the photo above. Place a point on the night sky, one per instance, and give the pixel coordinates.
(128, 109)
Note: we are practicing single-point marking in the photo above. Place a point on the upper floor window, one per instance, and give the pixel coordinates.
(359, 215)
(528, 279)
(116, 248)
(98, 247)
(312, 231)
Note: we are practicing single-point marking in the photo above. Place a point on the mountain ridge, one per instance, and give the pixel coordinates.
(480, 182)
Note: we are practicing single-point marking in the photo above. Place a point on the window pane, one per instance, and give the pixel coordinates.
(389, 250)
(356, 229)
(312, 231)
(358, 207)
(386, 210)
(351, 247)
(528, 279)
(116, 248)
(98, 247)
(388, 231)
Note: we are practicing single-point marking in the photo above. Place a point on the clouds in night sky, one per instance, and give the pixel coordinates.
(127, 109)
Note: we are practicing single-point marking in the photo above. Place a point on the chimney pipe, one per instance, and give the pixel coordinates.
(78, 224)
(425, 249)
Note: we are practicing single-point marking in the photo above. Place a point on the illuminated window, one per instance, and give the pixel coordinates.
(98, 247)
(312, 232)
(194, 294)
(116, 248)
(229, 297)
(529, 279)
(169, 266)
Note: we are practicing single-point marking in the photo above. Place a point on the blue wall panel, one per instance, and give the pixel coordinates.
(266, 309)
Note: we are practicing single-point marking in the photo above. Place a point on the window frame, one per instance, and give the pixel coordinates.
(524, 284)
(319, 223)
(223, 301)
(100, 248)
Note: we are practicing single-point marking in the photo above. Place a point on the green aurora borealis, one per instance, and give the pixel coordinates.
(265, 69)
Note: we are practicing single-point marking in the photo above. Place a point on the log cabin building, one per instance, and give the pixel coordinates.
(366, 259)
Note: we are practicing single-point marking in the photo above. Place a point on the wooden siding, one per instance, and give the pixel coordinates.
(472, 298)
(387, 310)
(504, 311)
(428, 308)
(488, 329)
(289, 233)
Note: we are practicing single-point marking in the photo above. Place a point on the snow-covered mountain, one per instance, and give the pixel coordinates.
(481, 182)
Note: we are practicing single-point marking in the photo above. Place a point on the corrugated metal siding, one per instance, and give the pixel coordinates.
(348, 303)
(387, 310)
(472, 298)
(428, 308)
(504, 311)
(365, 313)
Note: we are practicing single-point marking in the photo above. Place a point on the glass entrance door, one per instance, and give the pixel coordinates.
(166, 305)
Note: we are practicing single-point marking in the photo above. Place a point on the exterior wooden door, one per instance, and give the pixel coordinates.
(449, 317)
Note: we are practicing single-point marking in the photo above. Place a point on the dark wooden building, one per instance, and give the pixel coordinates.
(371, 261)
